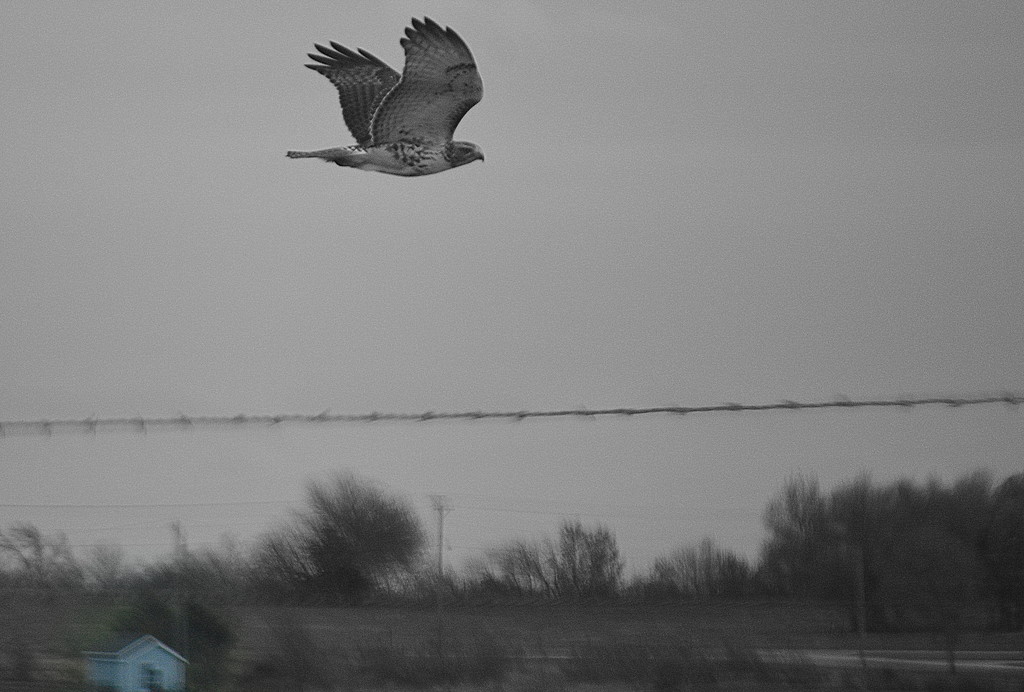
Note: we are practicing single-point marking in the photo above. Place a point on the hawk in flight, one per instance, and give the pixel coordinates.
(403, 123)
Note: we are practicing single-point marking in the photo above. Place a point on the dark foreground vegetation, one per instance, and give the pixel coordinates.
(341, 597)
(727, 644)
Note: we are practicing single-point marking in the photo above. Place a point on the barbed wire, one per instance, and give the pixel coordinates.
(143, 424)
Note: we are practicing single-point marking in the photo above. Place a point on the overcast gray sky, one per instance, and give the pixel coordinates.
(682, 203)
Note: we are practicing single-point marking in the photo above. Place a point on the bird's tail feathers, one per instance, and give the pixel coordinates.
(339, 155)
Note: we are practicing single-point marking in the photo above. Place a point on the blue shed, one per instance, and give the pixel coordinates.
(137, 665)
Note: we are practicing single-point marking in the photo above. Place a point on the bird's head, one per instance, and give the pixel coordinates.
(461, 153)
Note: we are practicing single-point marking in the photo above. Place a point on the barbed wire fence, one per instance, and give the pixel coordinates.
(142, 424)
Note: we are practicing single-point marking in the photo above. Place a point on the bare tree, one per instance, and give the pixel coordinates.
(39, 560)
(585, 562)
(800, 554)
(521, 566)
(105, 567)
(350, 539)
(704, 570)
(1003, 553)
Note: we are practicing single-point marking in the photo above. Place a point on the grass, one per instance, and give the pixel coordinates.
(594, 648)
(600, 665)
(289, 658)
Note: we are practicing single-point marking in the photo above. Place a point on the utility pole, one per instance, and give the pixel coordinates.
(181, 617)
(442, 507)
(862, 611)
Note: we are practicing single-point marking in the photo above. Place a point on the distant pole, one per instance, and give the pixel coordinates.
(442, 507)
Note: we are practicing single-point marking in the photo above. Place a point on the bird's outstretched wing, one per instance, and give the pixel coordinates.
(363, 81)
(439, 84)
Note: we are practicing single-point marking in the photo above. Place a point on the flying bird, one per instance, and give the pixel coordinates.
(403, 123)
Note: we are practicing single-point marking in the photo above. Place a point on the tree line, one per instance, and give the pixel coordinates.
(901, 555)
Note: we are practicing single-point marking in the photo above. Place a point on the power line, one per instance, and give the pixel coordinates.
(142, 424)
(643, 515)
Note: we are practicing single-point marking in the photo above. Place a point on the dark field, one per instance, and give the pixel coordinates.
(772, 625)
(607, 647)
(572, 648)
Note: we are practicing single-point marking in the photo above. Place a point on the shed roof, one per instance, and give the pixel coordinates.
(125, 646)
